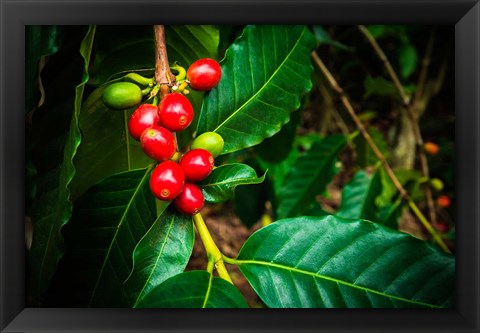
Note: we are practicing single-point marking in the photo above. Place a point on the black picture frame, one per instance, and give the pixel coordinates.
(15, 14)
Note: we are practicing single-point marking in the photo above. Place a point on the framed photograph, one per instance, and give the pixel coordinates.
(239, 166)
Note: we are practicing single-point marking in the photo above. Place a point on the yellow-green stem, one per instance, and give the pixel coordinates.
(213, 253)
(428, 226)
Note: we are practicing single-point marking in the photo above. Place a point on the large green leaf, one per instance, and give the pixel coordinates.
(332, 262)
(195, 289)
(40, 40)
(309, 176)
(55, 151)
(107, 223)
(220, 185)
(265, 72)
(163, 252)
(358, 196)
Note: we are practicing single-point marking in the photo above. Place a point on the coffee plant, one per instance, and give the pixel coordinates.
(138, 135)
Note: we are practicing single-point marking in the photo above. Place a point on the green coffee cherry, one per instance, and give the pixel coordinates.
(122, 95)
(436, 184)
(210, 141)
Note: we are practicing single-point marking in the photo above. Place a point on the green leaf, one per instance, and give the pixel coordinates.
(265, 72)
(358, 197)
(40, 40)
(52, 208)
(220, 185)
(107, 147)
(312, 262)
(324, 39)
(194, 289)
(309, 176)
(378, 86)
(277, 148)
(163, 252)
(107, 223)
(408, 60)
(364, 154)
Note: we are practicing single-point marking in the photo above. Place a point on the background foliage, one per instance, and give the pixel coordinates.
(311, 213)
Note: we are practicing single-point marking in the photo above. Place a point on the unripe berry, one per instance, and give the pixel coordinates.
(211, 141)
(158, 143)
(145, 116)
(190, 201)
(121, 95)
(176, 112)
(167, 180)
(437, 184)
(197, 164)
(431, 148)
(204, 74)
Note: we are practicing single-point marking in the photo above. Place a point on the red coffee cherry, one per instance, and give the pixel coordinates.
(145, 116)
(431, 148)
(175, 111)
(197, 164)
(190, 201)
(158, 143)
(204, 74)
(443, 201)
(167, 180)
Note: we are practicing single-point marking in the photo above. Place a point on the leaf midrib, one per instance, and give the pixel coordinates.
(119, 225)
(207, 295)
(156, 261)
(264, 85)
(327, 278)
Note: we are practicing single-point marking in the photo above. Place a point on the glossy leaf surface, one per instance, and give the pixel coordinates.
(55, 152)
(107, 223)
(309, 176)
(163, 252)
(265, 72)
(358, 197)
(195, 289)
(314, 262)
(220, 185)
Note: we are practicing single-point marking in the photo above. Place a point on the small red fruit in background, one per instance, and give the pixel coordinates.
(197, 164)
(190, 201)
(442, 226)
(431, 148)
(158, 143)
(443, 201)
(175, 112)
(145, 116)
(167, 180)
(204, 74)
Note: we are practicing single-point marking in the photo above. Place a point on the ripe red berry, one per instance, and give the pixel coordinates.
(197, 164)
(190, 201)
(175, 111)
(158, 143)
(431, 148)
(167, 180)
(443, 201)
(204, 74)
(145, 116)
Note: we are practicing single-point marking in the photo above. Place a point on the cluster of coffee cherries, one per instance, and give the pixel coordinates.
(174, 177)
